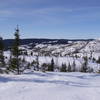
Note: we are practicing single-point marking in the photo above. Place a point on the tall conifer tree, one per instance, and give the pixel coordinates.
(15, 52)
(2, 62)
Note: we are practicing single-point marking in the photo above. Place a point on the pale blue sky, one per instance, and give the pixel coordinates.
(50, 18)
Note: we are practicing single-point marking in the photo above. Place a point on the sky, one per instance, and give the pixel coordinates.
(61, 19)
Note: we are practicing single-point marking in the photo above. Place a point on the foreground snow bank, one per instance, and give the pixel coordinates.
(50, 86)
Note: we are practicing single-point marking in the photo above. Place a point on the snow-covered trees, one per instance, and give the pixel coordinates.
(84, 66)
(73, 66)
(23, 57)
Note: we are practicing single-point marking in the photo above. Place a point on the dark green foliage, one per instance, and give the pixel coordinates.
(63, 68)
(1, 44)
(13, 64)
(15, 51)
(51, 67)
(2, 62)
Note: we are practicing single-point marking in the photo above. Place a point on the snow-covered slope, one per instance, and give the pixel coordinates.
(63, 53)
(64, 49)
(50, 86)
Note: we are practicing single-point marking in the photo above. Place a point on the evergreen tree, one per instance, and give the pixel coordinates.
(69, 68)
(2, 62)
(51, 66)
(63, 68)
(15, 52)
(93, 59)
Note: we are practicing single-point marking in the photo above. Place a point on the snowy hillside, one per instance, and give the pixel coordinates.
(50, 71)
(72, 47)
(50, 86)
(63, 53)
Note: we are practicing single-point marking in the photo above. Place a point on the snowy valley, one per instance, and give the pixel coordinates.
(66, 81)
(69, 53)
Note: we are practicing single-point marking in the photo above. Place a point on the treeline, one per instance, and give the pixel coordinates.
(17, 64)
(71, 66)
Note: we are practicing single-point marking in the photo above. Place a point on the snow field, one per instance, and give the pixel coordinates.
(50, 86)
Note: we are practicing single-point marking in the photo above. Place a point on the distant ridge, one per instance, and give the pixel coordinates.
(9, 42)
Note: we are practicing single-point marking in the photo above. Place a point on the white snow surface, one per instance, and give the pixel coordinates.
(50, 86)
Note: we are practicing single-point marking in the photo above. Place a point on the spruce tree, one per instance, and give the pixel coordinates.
(2, 62)
(15, 52)
(69, 68)
(51, 66)
(63, 68)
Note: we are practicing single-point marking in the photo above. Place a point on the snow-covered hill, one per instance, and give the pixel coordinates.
(72, 47)
(63, 53)
(33, 85)
(50, 86)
